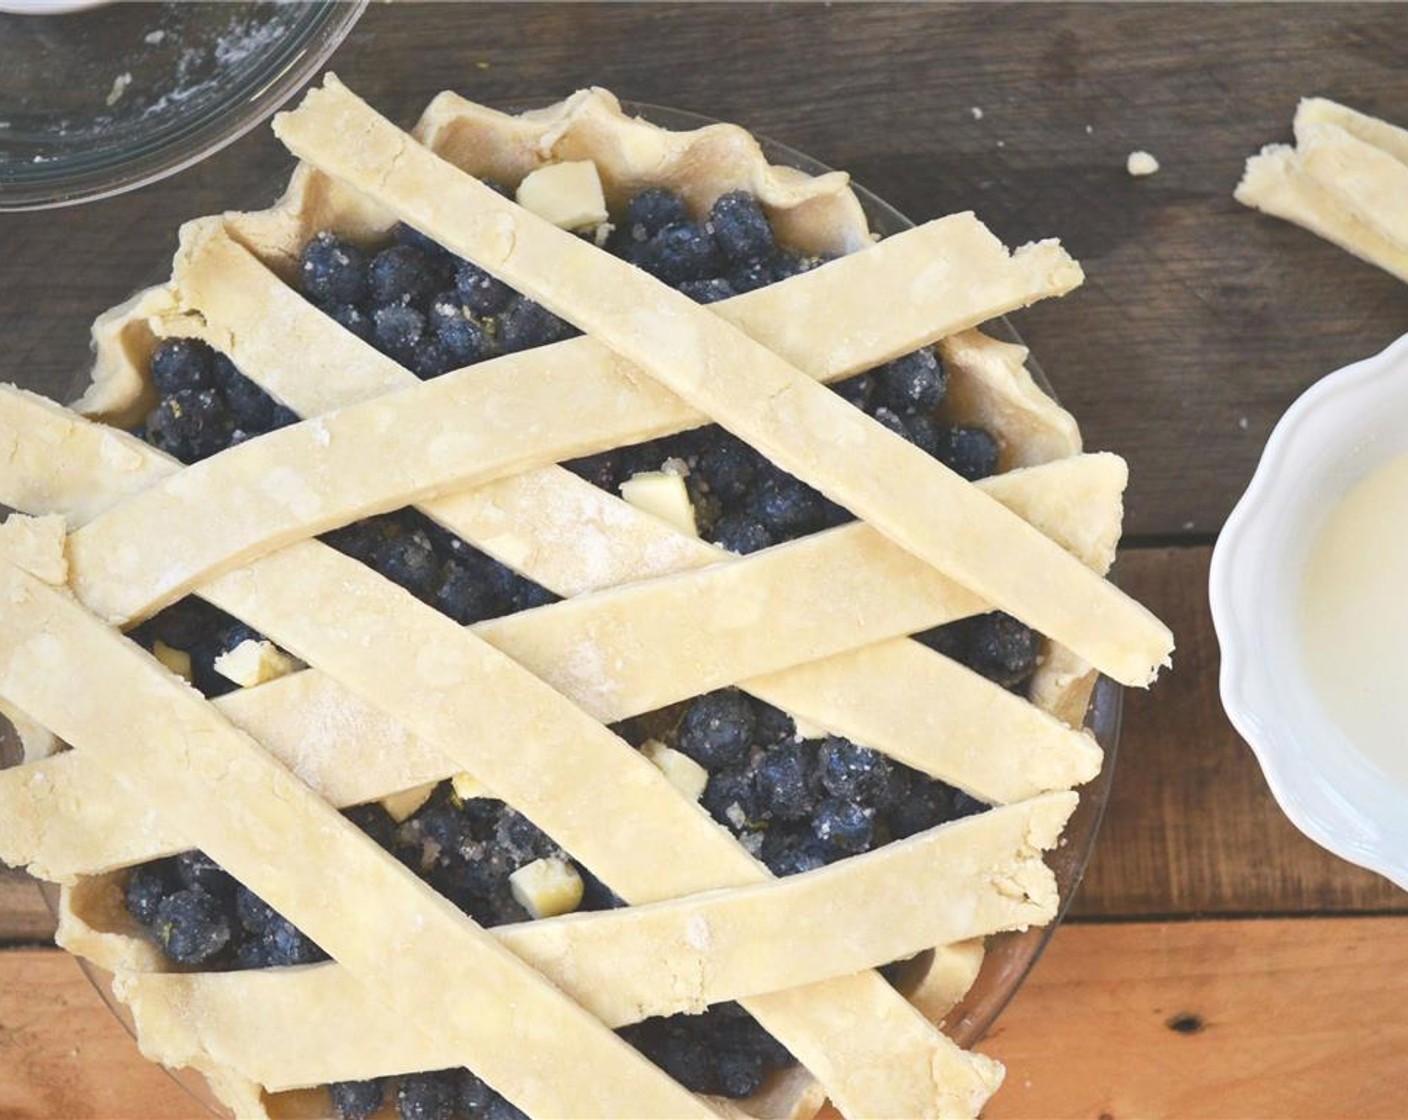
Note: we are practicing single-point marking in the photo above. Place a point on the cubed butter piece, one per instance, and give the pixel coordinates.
(683, 772)
(404, 805)
(467, 787)
(547, 887)
(177, 660)
(663, 494)
(252, 662)
(568, 195)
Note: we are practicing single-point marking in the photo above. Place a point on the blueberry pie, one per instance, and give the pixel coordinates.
(554, 618)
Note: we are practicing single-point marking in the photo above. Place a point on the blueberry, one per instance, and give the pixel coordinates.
(851, 772)
(740, 226)
(732, 799)
(953, 640)
(970, 452)
(687, 1060)
(191, 424)
(742, 533)
(857, 390)
(409, 235)
(185, 623)
(604, 471)
(927, 805)
(708, 291)
(914, 381)
(728, 466)
(786, 264)
(251, 408)
(740, 1073)
(181, 363)
(923, 431)
(354, 319)
(466, 596)
(191, 926)
(147, 887)
(749, 276)
(679, 253)
(255, 915)
(282, 418)
(409, 560)
(787, 782)
(402, 274)
(771, 725)
(526, 324)
(527, 596)
(651, 211)
(481, 292)
(792, 850)
(396, 330)
(717, 728)
(521, 838)
(1003, 649)
(428, 1096)
(286, 944)
(252, 953)
(788, 506)
(889, 419)
(464, 339)
(966, 805)
(198, 871)
(596, 895)
(333, 271)
(375, 821)
(746, 1033)
(356, 1100)
(475, 1097)
(448, 831)
(431, 358)
(500, 1108)
(844, 826)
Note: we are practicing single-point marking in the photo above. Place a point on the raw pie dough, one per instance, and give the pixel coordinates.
(1345, 180)
(989, 387)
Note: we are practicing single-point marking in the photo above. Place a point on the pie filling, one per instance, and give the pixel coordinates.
(797, 801)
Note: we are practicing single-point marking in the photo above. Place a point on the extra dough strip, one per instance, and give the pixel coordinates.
(1344, 182)
(156, 735)
(287, 1029)
(742, 385)
(519, 411)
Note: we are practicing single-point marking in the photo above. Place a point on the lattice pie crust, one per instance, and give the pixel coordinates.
(398, 695)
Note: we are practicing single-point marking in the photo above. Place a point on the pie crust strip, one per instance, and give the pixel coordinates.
(520, 410)
(740, 384)
(160, 738)
(290, 1028)
(1343, 181)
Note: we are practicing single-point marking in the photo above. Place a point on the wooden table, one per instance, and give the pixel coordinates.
(1217, 964)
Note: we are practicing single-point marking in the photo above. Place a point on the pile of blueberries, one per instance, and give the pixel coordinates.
(796, 804)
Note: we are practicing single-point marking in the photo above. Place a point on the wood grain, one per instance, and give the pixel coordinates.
(24, 918)
(1198, 314)
(1289, 1019)
(1192, 827)
(1232, 1020)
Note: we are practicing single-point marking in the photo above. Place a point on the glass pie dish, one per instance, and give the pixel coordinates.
(1009, 957)
(101, 100)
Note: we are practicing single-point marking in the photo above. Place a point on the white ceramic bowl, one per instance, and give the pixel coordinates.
(1337, 432)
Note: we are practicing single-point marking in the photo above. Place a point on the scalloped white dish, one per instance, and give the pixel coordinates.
(1338, 432)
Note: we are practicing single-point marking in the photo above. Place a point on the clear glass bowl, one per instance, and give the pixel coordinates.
(1010, 956)
(98, 101)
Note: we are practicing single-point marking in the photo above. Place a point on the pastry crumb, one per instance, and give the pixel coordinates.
(154, 37)
(1243, 423)
(1140, 164)
(977, 113)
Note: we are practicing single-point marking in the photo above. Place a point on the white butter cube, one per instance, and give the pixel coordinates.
(251, 663)
(547, 887)
(663, 494)
(683, 772)
(467, 787)
(568, 195)
(404, 805)
(177, 660)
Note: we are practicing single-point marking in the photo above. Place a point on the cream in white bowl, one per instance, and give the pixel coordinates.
(1308, 607)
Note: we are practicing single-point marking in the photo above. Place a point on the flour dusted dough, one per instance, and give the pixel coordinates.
(630, 964)
(161, 739)
(745, 387)
(1344, 181)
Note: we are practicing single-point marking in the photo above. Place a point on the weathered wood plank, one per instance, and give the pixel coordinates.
(1192, 827)
(1218, 1019)
(1198, 313)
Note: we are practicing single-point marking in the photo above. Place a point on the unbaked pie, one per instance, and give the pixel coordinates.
(669, 613)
